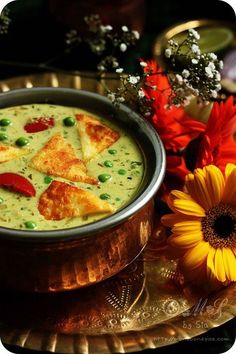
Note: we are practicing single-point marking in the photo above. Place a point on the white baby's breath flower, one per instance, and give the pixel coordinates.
(111, 97)
(120, 99)
(109, 28)
(194, 33)
(208, 72)
(179, 78)
(185, 73)
(211, 65)
(141, 94)
(105, 29)
(136, 34)
(115, 64)
(213, 93)
(101, 67)
(119, 70)
(171, 42)
(124, 28)
(221, 64)
(218, 87)
(213, 56)
(168, 53)
(217, 76)
(194, 61)
(123, 47)
(134, 79)
(195, 49)
(143, 64)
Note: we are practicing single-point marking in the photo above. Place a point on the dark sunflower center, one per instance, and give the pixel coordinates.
(224, 226)
(219, 226)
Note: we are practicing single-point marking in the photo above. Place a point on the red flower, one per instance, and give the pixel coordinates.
(218, 146)
(175, 128)
(173, 125)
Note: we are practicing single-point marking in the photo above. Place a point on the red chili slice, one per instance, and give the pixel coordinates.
(39, 124)
(17, 183)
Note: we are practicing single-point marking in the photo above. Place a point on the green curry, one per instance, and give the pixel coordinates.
(119, 168)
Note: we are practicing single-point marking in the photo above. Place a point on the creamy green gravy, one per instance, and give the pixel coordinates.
(126, 172)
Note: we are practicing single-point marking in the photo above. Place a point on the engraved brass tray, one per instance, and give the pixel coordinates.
(144, 306)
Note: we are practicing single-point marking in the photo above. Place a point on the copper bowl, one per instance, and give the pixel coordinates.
(47, 261)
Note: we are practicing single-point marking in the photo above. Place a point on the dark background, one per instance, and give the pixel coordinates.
(36, 35)
(36, 40)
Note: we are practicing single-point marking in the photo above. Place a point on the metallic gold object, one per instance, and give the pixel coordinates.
(66, 265)
(164, 37)
(59, 260)
(145, 306)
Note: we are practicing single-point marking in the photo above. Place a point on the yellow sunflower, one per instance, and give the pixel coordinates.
(204, 224)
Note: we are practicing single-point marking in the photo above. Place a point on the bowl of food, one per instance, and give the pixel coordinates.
(77, 180)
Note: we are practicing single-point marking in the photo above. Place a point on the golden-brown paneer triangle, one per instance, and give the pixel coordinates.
(94, 136)
(58, 158)
(8, 153)
(61, 200)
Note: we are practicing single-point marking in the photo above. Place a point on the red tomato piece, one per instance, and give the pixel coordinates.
(39, 124)
(17, 183)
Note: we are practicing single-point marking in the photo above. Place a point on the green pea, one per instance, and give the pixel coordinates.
(104, 177)
(22, 141)
(1, 200)
(5, 122)
(105, 196)
(112, 151)
(48, 179)
(122, 171)
(3, 136)
(108, 163)
(117, 199)
(30, 225)
(69, 121)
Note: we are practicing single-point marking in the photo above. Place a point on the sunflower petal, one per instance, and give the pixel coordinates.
(214, 184)
(219, 268)
(175, 194)
(194, 257)
(230, 188)
(171, 219)
(184, 240)
(211, 263)
(188, 207)
(180, 195)
(190, 226)
(196, 185)
(229, 264)
(233, 249)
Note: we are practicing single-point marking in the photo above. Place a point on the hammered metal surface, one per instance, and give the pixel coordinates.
(145, 306)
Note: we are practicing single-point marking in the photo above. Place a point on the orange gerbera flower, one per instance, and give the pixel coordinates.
(218, 146)
(204, 225)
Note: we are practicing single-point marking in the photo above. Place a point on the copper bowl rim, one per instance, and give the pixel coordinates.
(156, 163)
